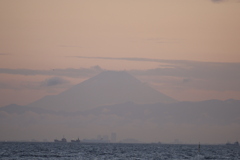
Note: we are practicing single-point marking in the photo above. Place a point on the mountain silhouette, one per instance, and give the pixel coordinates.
(106, 88)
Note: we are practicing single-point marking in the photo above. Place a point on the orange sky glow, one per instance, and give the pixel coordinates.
(57, 34)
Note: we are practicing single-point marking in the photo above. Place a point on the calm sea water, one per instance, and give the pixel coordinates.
(64, 151)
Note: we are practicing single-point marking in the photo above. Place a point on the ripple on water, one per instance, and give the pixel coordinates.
(59, 151)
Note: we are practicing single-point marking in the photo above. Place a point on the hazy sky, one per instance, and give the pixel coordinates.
(173, 45)
(187, 49)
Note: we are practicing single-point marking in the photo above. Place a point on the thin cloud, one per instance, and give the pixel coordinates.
(192, 74)
(68, 72)
(137, 59)
(172, 73)
(184, 68)
(54, 81)
(201, 75)
(217, 1)
(208, 70)
(19, 85)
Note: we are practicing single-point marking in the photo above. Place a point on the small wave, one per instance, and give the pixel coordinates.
(198, 157)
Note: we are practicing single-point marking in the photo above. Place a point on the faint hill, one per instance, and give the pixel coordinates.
(14, 108)
(214, 112)
(203, 112)
(109, 87)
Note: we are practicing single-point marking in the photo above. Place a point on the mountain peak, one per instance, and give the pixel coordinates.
(113, 77)
(106, 88)
(108, 74)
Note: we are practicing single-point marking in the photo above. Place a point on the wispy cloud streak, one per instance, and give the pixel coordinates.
(179, 73)
(138, 59)
(68, 72)
(195, 74)
(54, 81)
(219, 1)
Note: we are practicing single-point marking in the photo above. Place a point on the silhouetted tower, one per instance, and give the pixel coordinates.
(113, 137)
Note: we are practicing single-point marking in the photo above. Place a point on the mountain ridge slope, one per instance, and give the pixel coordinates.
(106, 88)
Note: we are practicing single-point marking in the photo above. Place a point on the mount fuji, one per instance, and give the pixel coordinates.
(106, 88)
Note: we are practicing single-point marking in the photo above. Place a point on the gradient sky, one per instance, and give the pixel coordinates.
(187, 49)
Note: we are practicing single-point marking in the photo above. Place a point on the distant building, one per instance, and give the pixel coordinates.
(99, 137)
(130, 140)
(113, 137)
(105, 138)
(176, 141)
(63, 140)
(233, 144)
(94, 141)
(76, 141)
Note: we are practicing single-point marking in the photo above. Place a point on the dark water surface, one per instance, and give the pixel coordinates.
(81, 151)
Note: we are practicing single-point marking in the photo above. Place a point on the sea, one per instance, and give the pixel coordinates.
(110, 151)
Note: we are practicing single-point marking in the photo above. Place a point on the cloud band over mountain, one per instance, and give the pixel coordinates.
(191, 74)
(68, 72)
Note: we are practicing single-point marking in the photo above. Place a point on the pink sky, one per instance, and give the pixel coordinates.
(48, 35)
